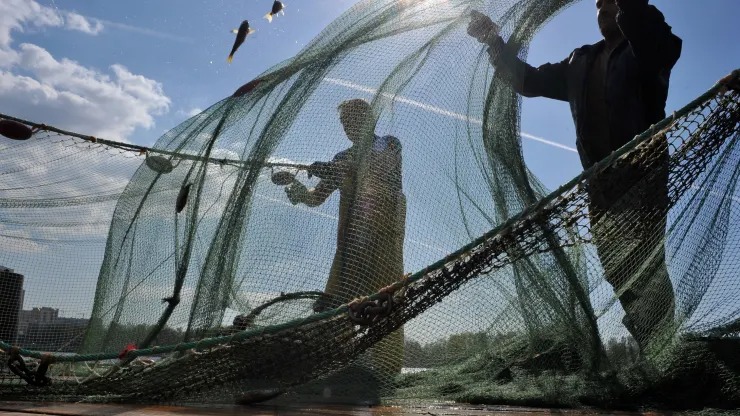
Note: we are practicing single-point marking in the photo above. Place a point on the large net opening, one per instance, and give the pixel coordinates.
(241, 269)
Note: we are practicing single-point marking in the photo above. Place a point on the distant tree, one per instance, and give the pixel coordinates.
(414, 355)
(622, 352)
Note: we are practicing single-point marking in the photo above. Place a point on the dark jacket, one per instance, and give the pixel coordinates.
(637, 76)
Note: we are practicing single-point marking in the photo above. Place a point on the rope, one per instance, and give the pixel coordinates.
(242, 322)
(145, 150)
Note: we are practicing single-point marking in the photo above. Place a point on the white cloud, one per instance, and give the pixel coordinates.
(61, 92)
(21, 15)
(110, 103)
(190, 113)
(68, 95)
(8, 58)
(75, 21)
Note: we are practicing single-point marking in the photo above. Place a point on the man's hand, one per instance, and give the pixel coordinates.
(323, 170)
(482, 27)
(297, 192)
(282, 178)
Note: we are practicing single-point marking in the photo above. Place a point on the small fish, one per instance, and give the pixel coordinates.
(277, 7)
(241, 35)
(182, 198)
(247, 88)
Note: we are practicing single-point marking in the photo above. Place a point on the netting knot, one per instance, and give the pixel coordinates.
(366, 311)
(397, 289)
(35, 378)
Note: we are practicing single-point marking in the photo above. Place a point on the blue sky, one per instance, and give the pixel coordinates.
(132, 70)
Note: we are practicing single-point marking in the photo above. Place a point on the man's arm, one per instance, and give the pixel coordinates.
(331, 174)
(298, 193)
(653, 44)
(548, 80)
(320, 193)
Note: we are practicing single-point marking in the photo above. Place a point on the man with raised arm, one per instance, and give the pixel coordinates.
(371, 229)
(616, 89)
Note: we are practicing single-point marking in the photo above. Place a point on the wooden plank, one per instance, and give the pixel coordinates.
(78, 409)
(22, 414)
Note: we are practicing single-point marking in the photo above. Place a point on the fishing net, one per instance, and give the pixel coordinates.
(255, 252)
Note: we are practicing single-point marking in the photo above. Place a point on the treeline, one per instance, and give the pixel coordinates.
(458, 348)
(137, 333)
(448, 351)
(68, 336)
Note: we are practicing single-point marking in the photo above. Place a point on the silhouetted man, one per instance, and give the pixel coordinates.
(616, 88)
(372, 216)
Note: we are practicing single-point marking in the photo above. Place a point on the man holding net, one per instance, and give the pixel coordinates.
(372, 215)
(616, 88)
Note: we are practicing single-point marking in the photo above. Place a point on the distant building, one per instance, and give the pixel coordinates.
(11, 302)
(43, 315)
(43, 329)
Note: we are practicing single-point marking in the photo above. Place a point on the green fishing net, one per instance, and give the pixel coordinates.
(358, 224)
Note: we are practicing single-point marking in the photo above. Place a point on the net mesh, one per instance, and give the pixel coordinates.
(225, 263)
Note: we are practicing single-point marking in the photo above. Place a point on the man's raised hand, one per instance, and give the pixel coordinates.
(482, 27)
